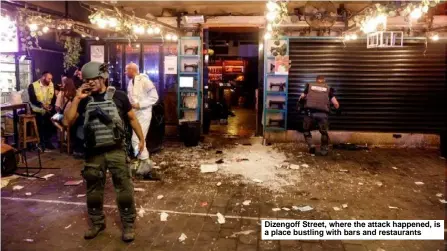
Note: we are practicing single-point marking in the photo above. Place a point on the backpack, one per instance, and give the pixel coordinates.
(103, 126)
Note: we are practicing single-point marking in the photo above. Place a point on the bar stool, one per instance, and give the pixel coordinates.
(64, 137)
(25, 136)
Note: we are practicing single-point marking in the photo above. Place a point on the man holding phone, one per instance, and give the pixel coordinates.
(107, 111)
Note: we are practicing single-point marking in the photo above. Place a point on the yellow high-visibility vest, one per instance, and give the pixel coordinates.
(44, 98)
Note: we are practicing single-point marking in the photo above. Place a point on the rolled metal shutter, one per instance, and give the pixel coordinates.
(389, 90)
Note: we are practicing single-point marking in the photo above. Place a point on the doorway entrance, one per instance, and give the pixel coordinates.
(231, 80)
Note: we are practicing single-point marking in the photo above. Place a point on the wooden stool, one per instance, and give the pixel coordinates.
(26, 137)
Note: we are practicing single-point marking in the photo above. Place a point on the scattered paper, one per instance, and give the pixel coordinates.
(220, 161)
(246, 203)
(73, 182)
(67, 227)
(219, 152)
(380, 249)
(141, 212)
(220, 218)
(343, 170)
(379, 183)
(164, 216)
(303, 209)
(237, 204)
(441, 157)
(29, 240)
(156, 167)
(360, 183)
(182, 237)
(159, 197)
(395, 168)
(305, 165)
(313, 155)
(419, 183)
(48, 176)
(344, 205)
(163, 163)
(391, 207)
(276, 209)
(443, 201)
(204, 204)
(80, 195)
(257, 181)
(241, 159)
(246, 232)
(285, 209)
(16, 188)
(294, 167)
(28, 194)
(336, 208)
(208, 168)
(218, 184)
(137, 189)
(439, 195)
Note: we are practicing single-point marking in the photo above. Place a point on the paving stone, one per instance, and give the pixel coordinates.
(245, 247)
(249, 239)
(354, 247)
(268, 245)
(224, 244)
(311, 246)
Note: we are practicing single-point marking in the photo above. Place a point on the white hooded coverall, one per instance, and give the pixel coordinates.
(142, 91)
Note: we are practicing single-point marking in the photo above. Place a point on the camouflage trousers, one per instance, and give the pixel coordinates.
(94, 173)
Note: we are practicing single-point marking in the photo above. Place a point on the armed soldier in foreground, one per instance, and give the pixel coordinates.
(317, 98)
(106, 112)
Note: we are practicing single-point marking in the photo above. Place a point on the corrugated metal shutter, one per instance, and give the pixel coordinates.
(393, 90)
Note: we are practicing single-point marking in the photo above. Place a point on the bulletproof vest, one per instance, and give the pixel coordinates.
(103, 126)
(317, 97)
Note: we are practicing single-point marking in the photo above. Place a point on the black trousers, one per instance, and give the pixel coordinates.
(321, 119)
(45, 127)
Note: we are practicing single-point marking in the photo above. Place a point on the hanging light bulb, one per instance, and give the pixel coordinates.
(150, 30)
(157, 30)
(271, 16)
(168, 36)
(269, 27)
(354, 37)
(425, 9)
(33, 27)
(271, 6)
(97, 38)
(83, 35)
(435, 37)
(102, 23)
(416, 13)
(267, 36)
(113, 22)
(45, 29)
(174, 37)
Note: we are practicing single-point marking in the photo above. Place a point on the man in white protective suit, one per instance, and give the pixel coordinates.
(142, 95)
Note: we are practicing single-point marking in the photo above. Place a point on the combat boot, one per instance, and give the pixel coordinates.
(128, 233)
(94, 231)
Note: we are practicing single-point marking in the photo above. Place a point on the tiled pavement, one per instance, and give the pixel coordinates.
(54, 218)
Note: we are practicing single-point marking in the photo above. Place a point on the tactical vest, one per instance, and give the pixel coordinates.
(44, 98)
(317, 97)
(103, 126)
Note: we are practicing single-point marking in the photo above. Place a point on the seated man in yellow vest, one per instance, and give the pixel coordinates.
(42, 100)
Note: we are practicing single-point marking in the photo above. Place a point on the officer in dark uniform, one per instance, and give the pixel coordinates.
(317, 98)
(106, 112)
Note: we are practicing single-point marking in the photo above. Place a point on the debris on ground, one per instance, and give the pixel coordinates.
(439, 195)
(220, 218)
(305, 165)
(246, 144)
(343, 170)
(360, 183)
(246, 202)
(164, 216)
(395, 168)
(141, 212)
(285, 209)
(156, 167)
(276, 209)
(246, 232)
(336, 208)
(159, 197)
(219, 161)
(391, 207)
(218, 184)
(351, 147)
(443, 201)
(345, 205)
(219, 152)
(257, 180)
(237, 204)
(29, 240)
(419, 183)
(204, 204)
(208, 168)
(137, 189)
(67, 227)
(182, 237)
(73, 182)
(6, 180)
(441, 157)
(313, 155)
(80, 195)
(379, 183)
(17, 187)
(241, 159)
(302, 209)
(283, 165)
(28, 194)
(48, 176)
(294, 167)
(163, 163)
(380, 249)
